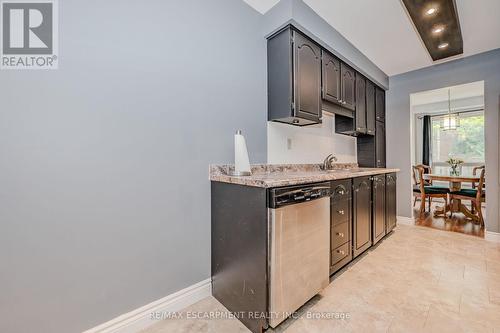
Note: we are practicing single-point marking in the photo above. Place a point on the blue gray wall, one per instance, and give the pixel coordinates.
(104, 191)
(485, 66)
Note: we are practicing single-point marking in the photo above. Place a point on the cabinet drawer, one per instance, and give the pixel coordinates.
(341, 190)
(340, 234)
(340, 253)
(341, 211)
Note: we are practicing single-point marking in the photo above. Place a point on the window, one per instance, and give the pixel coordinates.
(466, 142)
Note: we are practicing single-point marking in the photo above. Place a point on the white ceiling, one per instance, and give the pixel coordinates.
(382, 30)
(463, 91)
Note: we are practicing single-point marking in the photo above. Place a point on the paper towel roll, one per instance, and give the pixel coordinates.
(241, 160)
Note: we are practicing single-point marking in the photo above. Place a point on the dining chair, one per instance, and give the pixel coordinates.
(474, 173)
(476, 195)
(416, 182)
(430, 191)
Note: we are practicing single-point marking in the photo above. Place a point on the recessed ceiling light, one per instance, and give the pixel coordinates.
(443, 45)
(430, 11)
(438, 29)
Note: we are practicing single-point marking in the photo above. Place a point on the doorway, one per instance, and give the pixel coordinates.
(447, 136)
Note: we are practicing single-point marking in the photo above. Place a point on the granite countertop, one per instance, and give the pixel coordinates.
(276, 175)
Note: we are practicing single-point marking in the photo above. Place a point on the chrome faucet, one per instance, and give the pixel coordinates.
(328, 162)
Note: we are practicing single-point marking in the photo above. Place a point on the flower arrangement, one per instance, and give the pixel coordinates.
(455, 164)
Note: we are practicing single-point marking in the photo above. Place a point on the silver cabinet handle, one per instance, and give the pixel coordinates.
(341, 192)
(341, 212)
(341, 252)
(341, 234)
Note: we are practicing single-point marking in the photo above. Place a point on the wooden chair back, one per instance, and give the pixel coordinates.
(474, 173)
(481, 187)
(418, 171)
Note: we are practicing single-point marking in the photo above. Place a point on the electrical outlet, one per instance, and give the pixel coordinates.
(289, 143)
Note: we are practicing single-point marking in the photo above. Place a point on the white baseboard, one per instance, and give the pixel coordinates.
(492, 236)
(405, 220)
(139, 319)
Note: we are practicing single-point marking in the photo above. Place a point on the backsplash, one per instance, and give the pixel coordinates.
(310, 144)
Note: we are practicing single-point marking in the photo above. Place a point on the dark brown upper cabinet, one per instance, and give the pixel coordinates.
(370, 108)
(294, 78)
(380, 104)
(338, 82)
(330, 78)
(380, 145)
(360, 115)
(307, 73)
(348, 84)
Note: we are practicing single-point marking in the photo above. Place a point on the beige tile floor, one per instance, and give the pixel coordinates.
(416, 280)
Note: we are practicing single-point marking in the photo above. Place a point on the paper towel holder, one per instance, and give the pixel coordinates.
(233, 172)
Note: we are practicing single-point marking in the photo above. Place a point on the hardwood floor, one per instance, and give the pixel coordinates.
(458, 223)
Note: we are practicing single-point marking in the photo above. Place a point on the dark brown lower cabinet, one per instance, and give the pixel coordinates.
(390, 202)
(341, 217)
(362, 215)
(379, 207)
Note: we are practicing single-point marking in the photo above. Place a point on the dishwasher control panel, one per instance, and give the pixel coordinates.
(290, 195)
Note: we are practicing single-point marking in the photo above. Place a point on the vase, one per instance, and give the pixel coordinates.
(455, 170)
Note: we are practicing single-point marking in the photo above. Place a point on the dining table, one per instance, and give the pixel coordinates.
(455, 184)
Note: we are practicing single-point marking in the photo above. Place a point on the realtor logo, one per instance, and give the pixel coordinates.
(29, 34)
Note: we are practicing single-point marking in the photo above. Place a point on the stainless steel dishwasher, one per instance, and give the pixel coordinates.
(299, 247)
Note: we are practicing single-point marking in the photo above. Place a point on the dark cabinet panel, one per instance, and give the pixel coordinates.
(340, 234)
(348, 91)
(340, 253)
(360, 114)
(238, 256)
(330, 78)
(370, 108)
(307, 74)
(379, 104)
(379, 209)
(341, 190)
(341, 224)
(341, 211)
(293, 78)
(362, 213)
(380, 145)
(390, 202)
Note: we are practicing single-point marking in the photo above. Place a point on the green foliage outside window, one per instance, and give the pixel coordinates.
(466, 142)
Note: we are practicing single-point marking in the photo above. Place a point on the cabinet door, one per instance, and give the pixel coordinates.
(370, 108)
(362, 215)
(348, 90)
(380, 144)
(307, 76)
(380, 104)
(330, 78)
(360, 103)
(390, 201)
(378, 207)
